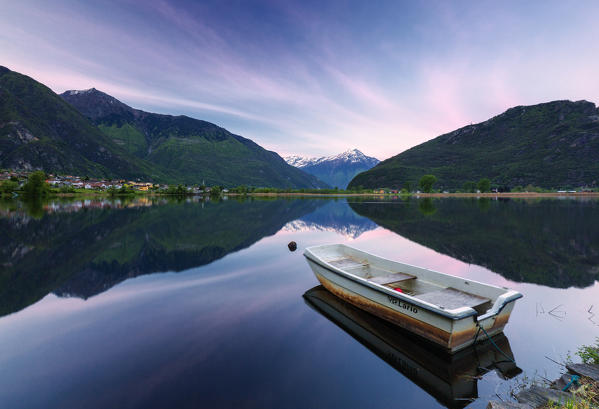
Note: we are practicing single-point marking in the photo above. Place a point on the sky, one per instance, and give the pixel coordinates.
(313, 78)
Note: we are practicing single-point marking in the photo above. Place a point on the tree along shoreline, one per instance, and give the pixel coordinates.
(36, 186)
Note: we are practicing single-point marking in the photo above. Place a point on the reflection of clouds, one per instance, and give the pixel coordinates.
(201, 321)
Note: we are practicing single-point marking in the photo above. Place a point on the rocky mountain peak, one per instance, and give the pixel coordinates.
(350, 156)
(96, 104)
(78, 92)
(353, 155)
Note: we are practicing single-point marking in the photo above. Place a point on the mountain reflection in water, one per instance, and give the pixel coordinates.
(335, 216)
(83, 248)
(545, 241)
(80, 248)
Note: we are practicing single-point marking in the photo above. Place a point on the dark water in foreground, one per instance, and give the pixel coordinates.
(191, 304)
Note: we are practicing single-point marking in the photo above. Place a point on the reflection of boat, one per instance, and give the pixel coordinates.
(449, 378)
(445, 309)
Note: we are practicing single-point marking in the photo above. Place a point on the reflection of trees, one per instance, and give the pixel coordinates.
(550, 242)
(426, 206)
(34, 207)
(484, 203)
(83, 253)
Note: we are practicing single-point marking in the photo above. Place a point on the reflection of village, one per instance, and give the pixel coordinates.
(71, 206)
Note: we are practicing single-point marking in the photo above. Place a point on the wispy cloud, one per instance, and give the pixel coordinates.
(300, 78)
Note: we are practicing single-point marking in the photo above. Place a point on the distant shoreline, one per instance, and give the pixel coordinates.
(439, 195)
(513, 195)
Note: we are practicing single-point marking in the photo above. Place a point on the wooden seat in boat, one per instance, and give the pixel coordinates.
(345, 263)
(391, 278)
(450, 298)
(348, 263)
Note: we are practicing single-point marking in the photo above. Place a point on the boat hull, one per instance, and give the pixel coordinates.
(451, 334)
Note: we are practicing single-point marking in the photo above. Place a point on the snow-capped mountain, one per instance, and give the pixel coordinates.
(78, 92)
(337, 170)
(299, 161)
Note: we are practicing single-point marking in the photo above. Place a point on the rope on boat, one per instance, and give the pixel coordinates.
(477, 333)
(492, 342)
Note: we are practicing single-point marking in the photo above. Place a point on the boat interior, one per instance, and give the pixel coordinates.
(409, 282)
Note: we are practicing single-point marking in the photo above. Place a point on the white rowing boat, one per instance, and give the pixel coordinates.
(448, 310)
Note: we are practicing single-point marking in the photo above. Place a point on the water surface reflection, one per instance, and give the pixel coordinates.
(91, 327)
(545, 241)
(82, 248)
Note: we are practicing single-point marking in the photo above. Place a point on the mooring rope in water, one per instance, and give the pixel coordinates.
(492, 342)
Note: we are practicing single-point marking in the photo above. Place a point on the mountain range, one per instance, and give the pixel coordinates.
(91, 133)
(336, 170)
(551, 145)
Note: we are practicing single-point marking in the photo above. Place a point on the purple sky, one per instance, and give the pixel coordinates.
(312, 77)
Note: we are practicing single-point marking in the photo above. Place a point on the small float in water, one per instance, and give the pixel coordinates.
(450, 311)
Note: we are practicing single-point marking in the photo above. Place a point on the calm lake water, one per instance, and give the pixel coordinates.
(162, 304)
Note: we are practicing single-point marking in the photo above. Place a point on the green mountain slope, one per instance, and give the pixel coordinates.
(551, 145)
(38, 130)
(194, 150)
